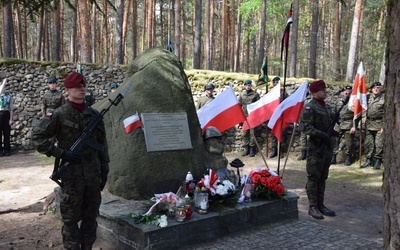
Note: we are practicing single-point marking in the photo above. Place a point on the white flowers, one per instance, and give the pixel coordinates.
(224, 187)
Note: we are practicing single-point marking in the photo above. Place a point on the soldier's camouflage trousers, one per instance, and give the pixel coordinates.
(80, 203)
(317, 172)
(374, 144)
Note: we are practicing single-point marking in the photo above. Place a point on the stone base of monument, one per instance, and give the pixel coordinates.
(117, 228)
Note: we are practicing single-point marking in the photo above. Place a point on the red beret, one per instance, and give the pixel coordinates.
(317, 85)
(74, 79)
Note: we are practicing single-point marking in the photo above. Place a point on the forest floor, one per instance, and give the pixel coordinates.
(354, 193)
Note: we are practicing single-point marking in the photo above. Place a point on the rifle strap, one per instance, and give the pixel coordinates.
(56, 164)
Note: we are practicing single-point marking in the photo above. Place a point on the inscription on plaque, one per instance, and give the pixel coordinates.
(166, 131)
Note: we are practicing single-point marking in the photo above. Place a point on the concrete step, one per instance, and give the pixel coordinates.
(119, 229)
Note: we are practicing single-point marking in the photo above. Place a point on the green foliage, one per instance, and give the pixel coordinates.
(144, 219)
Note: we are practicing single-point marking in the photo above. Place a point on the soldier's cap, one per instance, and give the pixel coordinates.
(247, 82)
(346, 88)
(376, 84)
(209, 86)
(52, 79)
(317, 86)
(237, 163)
(74, 79)
(276, 79)
(114, 86)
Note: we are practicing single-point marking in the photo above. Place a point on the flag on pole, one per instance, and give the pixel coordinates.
(131, 123)
(223, 112)
(288, 111)
(3, 86)
(358, 97)
(263, 71)
(285, 38)
(262, 110)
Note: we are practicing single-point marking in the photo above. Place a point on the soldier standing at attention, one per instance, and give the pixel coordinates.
(86, 174)
(208, 97)
(248, 96)
(374, 126)
(315, 120)
(346, 128)
(52, 99)
(6, 120)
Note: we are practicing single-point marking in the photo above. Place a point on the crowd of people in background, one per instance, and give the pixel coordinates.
(369, 126)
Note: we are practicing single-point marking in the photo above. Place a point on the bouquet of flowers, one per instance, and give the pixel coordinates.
(265, 184)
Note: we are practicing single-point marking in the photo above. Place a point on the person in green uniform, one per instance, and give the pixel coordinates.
(86, 174)
(374, 127)
(53, 98)
(315, 120)
(345, 128)
(208, 97)
(248, 96)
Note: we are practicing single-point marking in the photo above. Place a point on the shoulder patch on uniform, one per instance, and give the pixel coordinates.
(308, 108)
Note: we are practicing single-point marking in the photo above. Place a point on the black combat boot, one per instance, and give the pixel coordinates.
(347, 161)
(315, 212)
(273, 153)
(1, 153)
(246, 150)
(326, 211)
(367, 163)
(377, 164)
(252, 151)
(303, 155)
(333, 160)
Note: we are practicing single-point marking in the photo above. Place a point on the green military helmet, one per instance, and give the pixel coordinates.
(211, 132)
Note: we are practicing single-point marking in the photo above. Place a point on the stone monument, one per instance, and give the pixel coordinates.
(158, 89)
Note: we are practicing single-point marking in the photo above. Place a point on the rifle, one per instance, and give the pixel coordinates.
(331, 127)
(84, 139)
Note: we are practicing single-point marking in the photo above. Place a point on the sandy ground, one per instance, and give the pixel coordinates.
(355, 195)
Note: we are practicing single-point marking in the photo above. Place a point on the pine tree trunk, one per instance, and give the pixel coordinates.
(391, 161)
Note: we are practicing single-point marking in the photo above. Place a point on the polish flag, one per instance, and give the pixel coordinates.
(262, 110)
(131, 123)
(358, 97)
(223, 112)
(288, 111)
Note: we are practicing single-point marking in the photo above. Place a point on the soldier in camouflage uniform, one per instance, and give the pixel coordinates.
(374, 126)
(248, 96)
(86, 174)
(315, 120)
(52, 99)
(346, 128)
(208, 97)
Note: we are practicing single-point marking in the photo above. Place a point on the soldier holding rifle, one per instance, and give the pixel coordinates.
(87, 171)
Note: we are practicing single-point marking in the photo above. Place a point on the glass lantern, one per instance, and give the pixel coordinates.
(203, 200)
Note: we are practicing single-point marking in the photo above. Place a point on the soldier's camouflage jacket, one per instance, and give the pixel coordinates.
(375, 112)
(51, 100)
(65, 125)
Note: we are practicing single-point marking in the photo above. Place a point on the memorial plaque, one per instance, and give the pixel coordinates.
(166, 131)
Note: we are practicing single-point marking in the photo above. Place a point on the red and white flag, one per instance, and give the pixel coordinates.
(223, 112)
(131, 123)
(262, 110)
(288, 111)
(358, 97)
